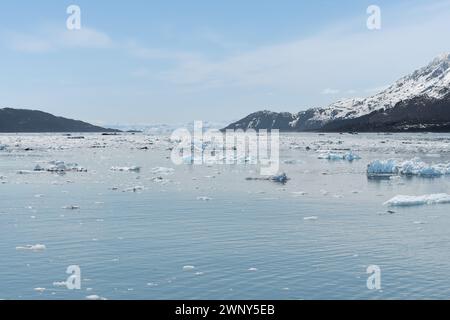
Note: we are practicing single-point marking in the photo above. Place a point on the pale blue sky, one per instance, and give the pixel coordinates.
(144, 62)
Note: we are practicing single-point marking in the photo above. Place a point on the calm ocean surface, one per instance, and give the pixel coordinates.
(246, 239)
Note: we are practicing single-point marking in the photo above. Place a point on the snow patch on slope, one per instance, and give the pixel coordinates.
(432, 81)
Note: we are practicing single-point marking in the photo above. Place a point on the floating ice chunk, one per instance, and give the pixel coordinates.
(163, 171)
(35, 248)
(380, 167)
(134, 189)
(3, 147)
(60, 284)
(72, 207)
(310, 218)
(151, 284)
(126, 169)
(291, 161)
(204, 198)
(349, 156)
(28, 172)
(407, 201)
(282, 178)
(253, 269)
(95, 297)
(60, 167)
(414, 167)
(40, 290)
(188, 268)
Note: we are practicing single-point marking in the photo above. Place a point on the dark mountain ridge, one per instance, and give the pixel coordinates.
(34, 121)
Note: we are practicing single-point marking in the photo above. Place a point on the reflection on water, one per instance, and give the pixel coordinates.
(206, 232)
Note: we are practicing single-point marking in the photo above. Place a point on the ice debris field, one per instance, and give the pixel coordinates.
(121, 200)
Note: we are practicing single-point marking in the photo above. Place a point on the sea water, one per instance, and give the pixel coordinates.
(206, 232)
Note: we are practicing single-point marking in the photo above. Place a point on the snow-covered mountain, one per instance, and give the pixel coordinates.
(392, 107)
(432, 80)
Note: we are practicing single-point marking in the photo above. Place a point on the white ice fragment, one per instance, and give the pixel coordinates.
(35, 247)
(310, 218)
(134, 189)
(60, 284)
(413, 167)
(95, 297)
(126, 169)
(72, 207)
(163, 171)
(57, 166)
(349, 156)
(188, 268)
(204, 198)
(406, 201)
(40, 290)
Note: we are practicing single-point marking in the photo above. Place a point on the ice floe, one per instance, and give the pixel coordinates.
(71, 207)
(126, 169)
(413, 167)
(204, 198)
(60, 284)
(59, 167)
(134, 189)
(188, 268)
(281, 178)
(163, 171)
(349, 156)
(35, 248)
(407, 201)
(95, 297)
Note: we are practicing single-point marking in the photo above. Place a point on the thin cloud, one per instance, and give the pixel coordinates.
(48, 40)
(329, 91)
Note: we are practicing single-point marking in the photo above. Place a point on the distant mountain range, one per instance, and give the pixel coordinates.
(417, 102)
(33, 121)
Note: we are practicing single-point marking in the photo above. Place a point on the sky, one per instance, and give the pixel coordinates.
(176, 61)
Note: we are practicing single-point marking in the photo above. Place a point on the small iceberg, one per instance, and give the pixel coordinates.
(414, 167)
(188, 268)
(134, 189)
(71, 207)
(163, 171)
(349, 156)
(126, 169)
(60, 284)
(57, 167)
(204, 198)
(281, 178)
(95, 297)
(35, 247)
(408, 201)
